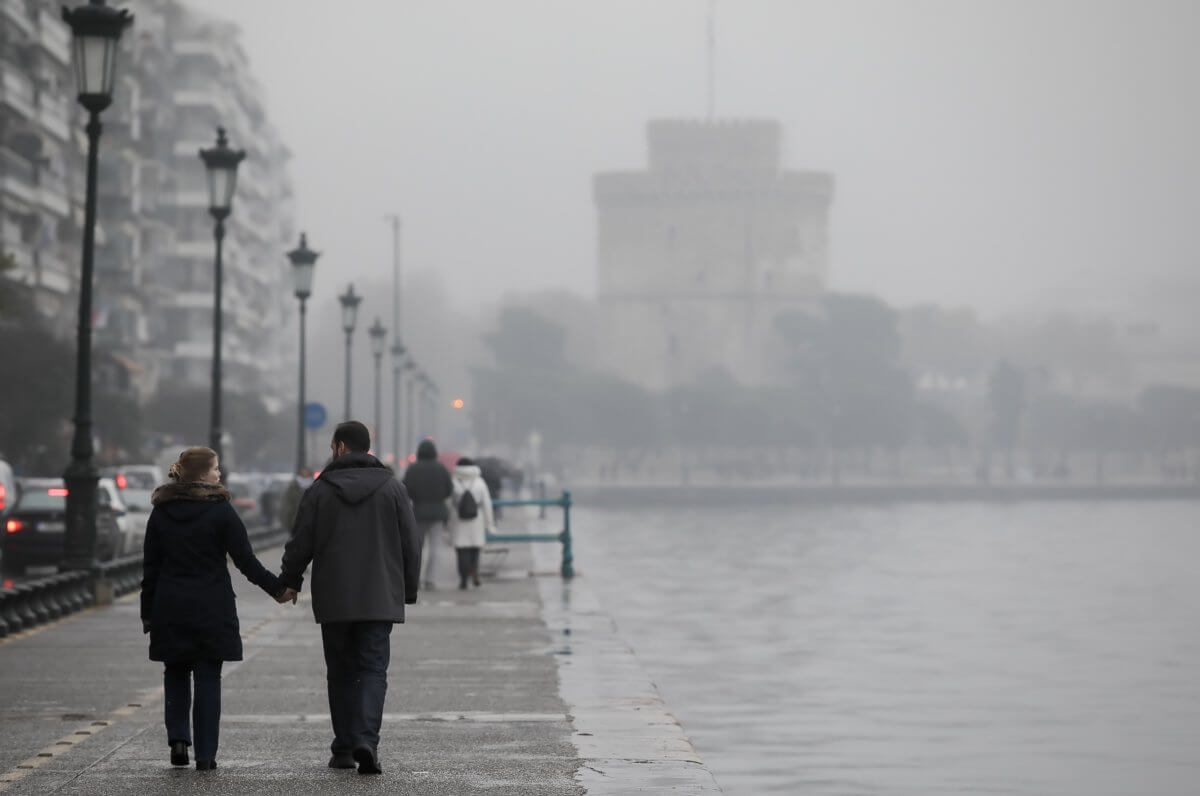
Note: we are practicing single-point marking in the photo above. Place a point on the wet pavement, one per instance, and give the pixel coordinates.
(474, 702)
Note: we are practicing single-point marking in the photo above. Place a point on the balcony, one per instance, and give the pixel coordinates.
(54, 37)
(53, 194)
(202, 98)
(16, 90)
(15, 13)
(55, 116)
(189, 300)
(17, 177)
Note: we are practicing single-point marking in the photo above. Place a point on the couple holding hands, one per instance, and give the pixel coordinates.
(355, 523)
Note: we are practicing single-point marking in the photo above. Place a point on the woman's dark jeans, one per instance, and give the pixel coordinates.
(205, 713)
(468, 563)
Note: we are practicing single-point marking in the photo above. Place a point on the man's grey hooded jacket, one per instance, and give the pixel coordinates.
(355, 524)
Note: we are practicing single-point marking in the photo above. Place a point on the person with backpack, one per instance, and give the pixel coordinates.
(470, 519)
(429, 487)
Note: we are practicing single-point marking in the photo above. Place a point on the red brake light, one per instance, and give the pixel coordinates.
(57, 491)
(121, 482)
(14, 526)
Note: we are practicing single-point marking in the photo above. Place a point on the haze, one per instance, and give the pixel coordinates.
(1009, 156)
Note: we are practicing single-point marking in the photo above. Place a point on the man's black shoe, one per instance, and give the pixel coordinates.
(341, 761)
(179, 753)
(367, 762)
(206, 765)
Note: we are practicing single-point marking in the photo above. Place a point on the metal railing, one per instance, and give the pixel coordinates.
(564, 536)
(30, 603)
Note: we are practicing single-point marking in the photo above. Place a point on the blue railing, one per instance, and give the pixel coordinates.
(564, 536)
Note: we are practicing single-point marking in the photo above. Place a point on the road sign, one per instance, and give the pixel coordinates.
(314, 415)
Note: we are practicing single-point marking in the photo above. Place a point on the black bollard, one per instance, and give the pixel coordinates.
(35, 602)
(23, 609)
(8, 605)
(50, 597)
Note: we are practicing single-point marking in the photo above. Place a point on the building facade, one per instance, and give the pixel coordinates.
(181, 74)
(41, 163)
(698, 254)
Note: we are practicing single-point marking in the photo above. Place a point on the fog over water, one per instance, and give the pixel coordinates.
(1005, 155)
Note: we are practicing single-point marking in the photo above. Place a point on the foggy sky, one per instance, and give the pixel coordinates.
(994, 153)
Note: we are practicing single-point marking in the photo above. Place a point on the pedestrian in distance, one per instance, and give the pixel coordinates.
(188, 604)
(471, 519)
(355, 526)
(430, 488)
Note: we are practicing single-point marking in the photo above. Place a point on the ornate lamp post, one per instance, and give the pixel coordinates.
(378, 345)
(410, 423)
(350, 303)
(399, 354)
(96, 30)
(221, 162)
(304, 261)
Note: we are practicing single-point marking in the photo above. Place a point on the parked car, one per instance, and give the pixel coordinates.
(36, 524)
(270, 503)
(8, 487)
(130, 521)
(137, 483)
(244, 498)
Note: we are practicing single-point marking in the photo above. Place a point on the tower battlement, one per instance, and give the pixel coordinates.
(745, 146)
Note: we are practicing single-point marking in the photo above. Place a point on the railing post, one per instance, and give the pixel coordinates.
(542, 496)
(568, 555)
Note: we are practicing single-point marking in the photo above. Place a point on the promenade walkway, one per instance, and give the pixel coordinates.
(520, 687)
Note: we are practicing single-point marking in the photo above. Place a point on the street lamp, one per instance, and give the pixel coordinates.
(410, 423)
(96, 30)
(409, 410)
(431, 405)
(378, 345)
(221, 162)
(304, 261)
(398, 356)
(350, 303)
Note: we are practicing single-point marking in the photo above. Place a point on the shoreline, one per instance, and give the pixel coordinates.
(622, 495)
(625, 736)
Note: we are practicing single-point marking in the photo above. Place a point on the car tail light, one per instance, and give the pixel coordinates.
(122, 482)
(57, 491)
(14, 526)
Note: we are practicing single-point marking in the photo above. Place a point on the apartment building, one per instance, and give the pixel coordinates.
(41, 175)
(181, 74)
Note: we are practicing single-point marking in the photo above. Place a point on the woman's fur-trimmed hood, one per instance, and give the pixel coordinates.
(197, 491)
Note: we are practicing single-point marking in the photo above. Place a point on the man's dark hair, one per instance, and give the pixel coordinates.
(354, 434)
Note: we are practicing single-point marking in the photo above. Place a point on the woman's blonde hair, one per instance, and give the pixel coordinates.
(192, 465)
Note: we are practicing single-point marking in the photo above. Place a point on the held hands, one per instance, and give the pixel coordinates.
(288, 594)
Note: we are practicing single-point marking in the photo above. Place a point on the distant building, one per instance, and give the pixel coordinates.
(698, 254)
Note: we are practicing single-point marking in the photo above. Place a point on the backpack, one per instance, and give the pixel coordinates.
(468, 507)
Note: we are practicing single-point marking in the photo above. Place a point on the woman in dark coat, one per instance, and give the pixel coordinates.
(188, 605)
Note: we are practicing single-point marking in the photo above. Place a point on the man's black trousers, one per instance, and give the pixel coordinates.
(356, 662)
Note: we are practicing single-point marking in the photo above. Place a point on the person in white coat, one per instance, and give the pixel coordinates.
(470, 519)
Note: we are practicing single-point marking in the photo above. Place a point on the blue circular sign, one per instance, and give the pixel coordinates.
(314, 415)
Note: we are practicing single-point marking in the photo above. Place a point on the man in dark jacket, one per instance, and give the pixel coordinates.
(429, 487)
(356, 526)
